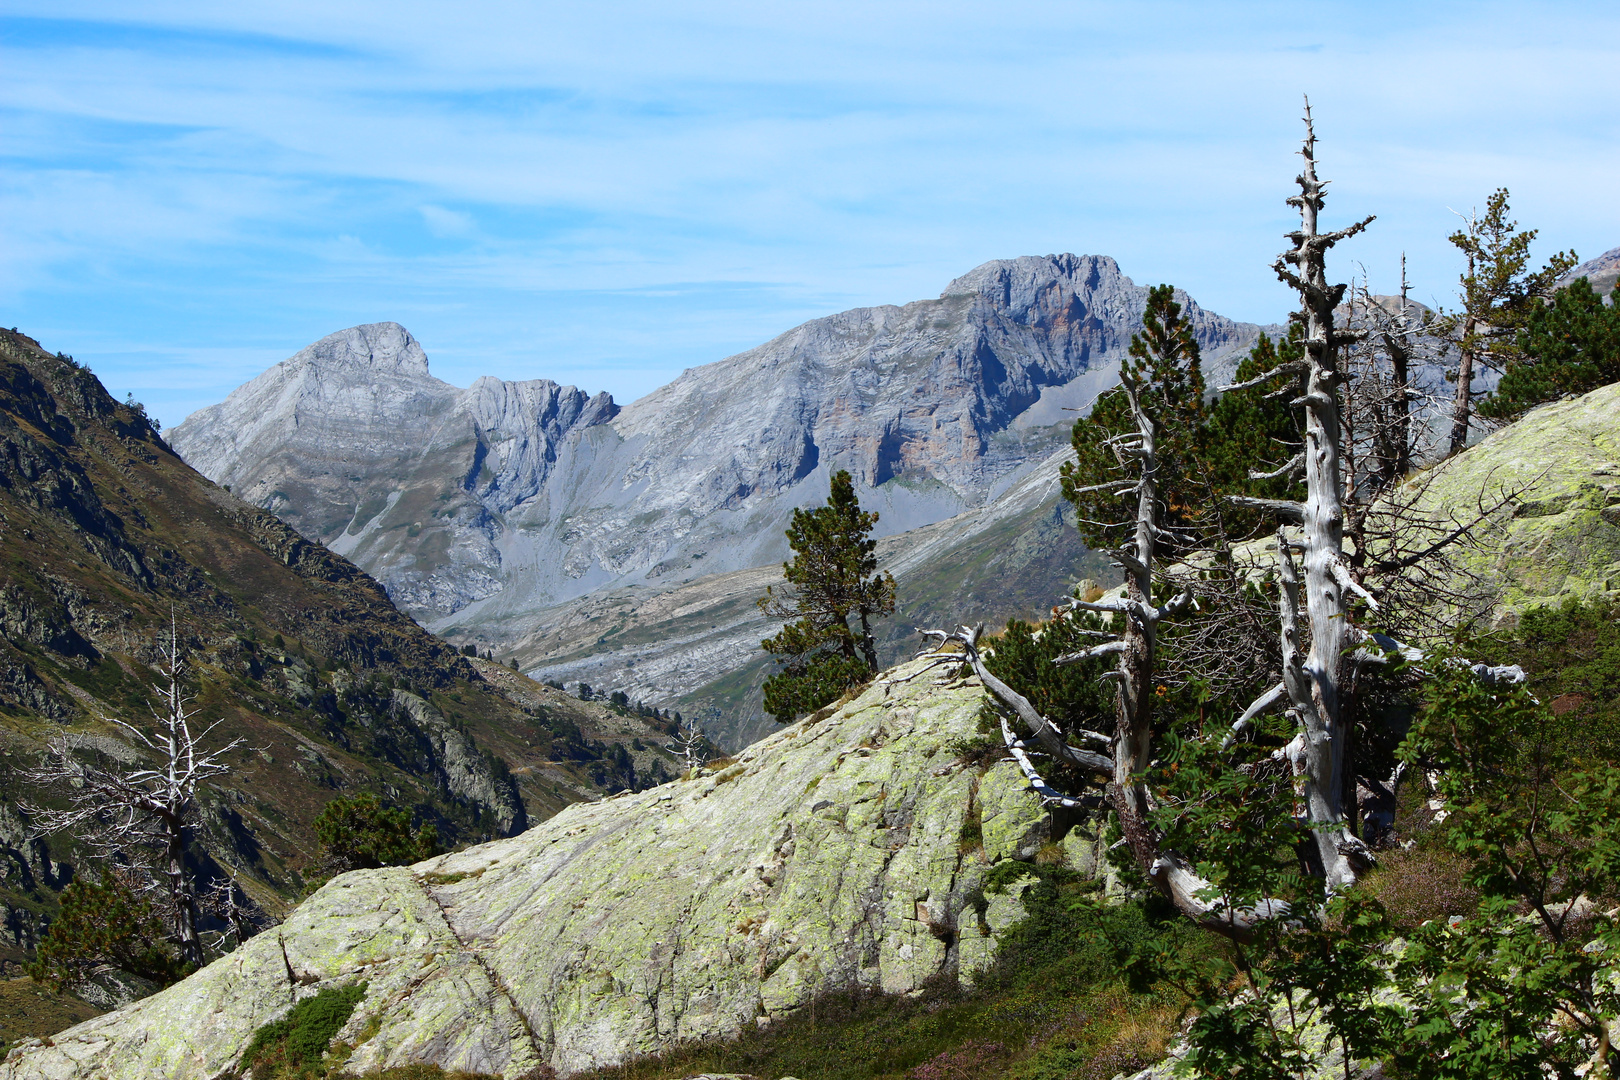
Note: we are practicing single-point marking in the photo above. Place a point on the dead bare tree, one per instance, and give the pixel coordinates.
(1397, 548)
(1319, 645)
(129, 813)
(690, 746)
(1313, 673)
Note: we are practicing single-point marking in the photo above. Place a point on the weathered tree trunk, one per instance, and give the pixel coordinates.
(1462, 406)
(1399, 349)
(1133, 733)
(1324, 754)
(868, 646)
(182, 896)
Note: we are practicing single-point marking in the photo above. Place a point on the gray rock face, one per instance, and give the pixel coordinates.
(694, 646)
(1601, 271)
(479, 508)
(827, 856)
(334, 438)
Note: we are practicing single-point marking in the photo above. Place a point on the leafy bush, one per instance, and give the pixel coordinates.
(1572, 654)
(1514, 989)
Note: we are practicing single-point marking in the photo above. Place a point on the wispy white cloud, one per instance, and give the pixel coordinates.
(608, 193)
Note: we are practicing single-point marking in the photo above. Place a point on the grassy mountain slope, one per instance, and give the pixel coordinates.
(696, 645)
(106, 535)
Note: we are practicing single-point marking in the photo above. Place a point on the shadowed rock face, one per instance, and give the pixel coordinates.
(478, 508)
(827, 856)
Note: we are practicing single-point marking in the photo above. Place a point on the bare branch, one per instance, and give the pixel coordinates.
(1105, 649)
(1293, 367)
(1287, 508)
(1288, 468)
(1260, 705)
(1048, 794)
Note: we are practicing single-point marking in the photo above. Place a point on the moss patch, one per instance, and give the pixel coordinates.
(1055, 1006)
(301, 1037)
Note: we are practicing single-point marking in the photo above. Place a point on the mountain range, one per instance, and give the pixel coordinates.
(507, 513)
(110, 540)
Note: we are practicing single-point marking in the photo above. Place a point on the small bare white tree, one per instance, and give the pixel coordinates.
(127, 813)
(690, 746)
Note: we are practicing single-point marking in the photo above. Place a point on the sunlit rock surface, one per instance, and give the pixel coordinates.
(483, 510)
(832, 854)
(1561, 537)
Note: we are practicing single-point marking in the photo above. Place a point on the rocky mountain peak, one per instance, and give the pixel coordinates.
(1602, 271)
(373, 350)
(1017, 284)
(1085, 299)
(487, 505)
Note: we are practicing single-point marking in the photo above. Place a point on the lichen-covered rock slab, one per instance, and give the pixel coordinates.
(827, 856)
(1562, 539)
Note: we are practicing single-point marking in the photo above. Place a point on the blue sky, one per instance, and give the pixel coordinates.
(607, 193)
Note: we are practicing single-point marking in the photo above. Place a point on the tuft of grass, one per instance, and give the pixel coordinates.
(1424, 883)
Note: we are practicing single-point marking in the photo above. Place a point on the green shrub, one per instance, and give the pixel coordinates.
(105, 924)
(1567, 347)
(360, 833)
(302, 1036)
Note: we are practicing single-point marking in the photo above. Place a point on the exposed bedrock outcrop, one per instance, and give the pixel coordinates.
(1560, 539)
(827, 856)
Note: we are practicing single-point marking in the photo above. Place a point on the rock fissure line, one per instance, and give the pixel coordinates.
(655, 914)
(477, 957)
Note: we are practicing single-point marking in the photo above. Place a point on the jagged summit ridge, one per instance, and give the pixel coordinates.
(329, 437)
(387, 348)
(480, 509)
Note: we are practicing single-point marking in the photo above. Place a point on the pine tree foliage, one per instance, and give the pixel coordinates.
(106, 926)
(1567, 347)
(1164, 368)
(833, 591)
(1499, 294)
(1255, 429)
(360, 832)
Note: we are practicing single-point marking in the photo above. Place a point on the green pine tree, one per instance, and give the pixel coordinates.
(1164, 369)
(1567, 347)
(359, 832)
(104, 924)
(831, 581)
(1499, 294)
(1255, 429)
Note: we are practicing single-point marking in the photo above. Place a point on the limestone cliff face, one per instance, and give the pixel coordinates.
(1561, 538)
(480, 509)
(355, 443)
(829, 855)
